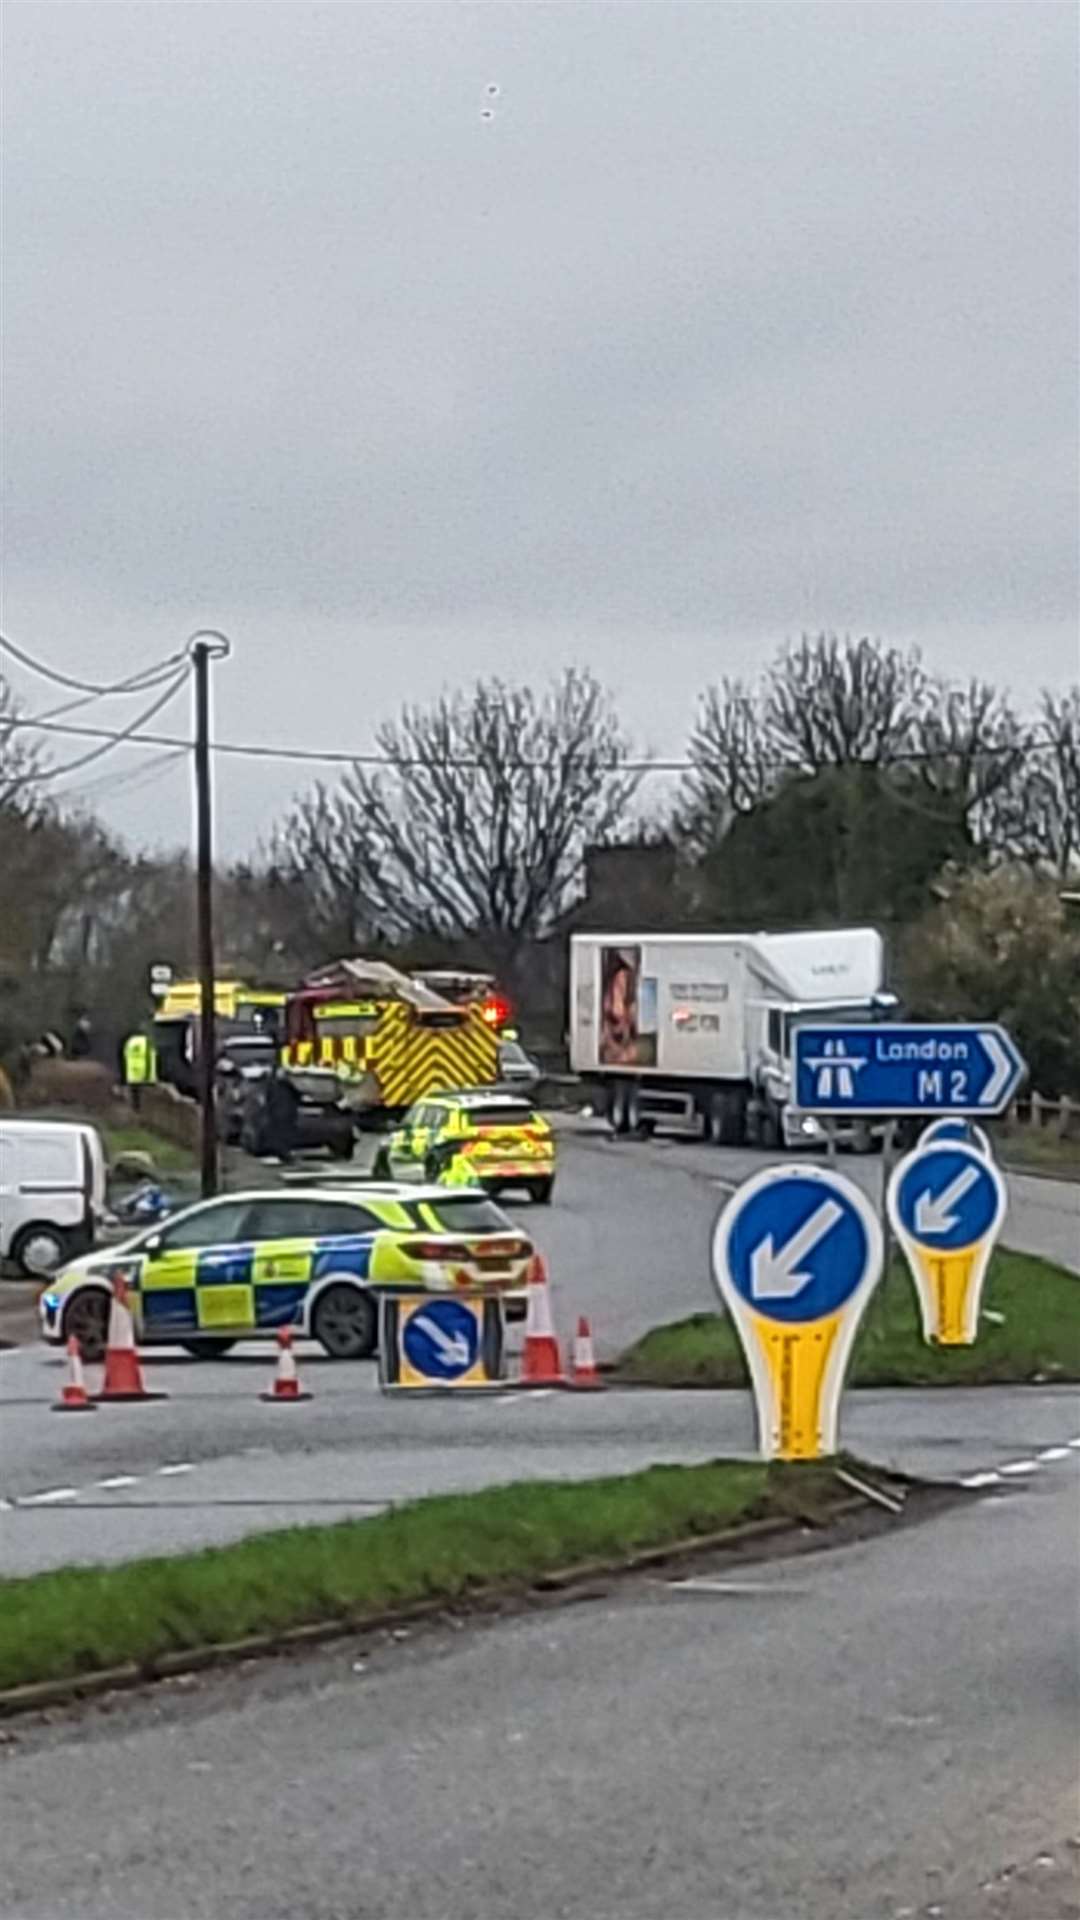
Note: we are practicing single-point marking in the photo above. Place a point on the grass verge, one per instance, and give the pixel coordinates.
(1036, 1338)
(167, 1155)
(81, 1620)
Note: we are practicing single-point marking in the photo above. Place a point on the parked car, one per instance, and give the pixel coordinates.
(321, 1116)
(52, 1192)
(517, 1069)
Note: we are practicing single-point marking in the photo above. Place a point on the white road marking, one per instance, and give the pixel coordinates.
(981, 1480)
(1021, 1466)
(1053, 1453)
(1074, 1443)
(181, 1466)
(118, 1480)
(48, 1498)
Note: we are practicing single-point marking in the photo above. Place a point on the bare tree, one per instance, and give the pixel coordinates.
(829, 702)
(324, 861)
(1036, 815)
(480, 823)
(20, 759)
(968, 748)
(730, 770)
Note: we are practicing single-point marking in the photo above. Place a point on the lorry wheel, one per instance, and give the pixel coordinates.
(620, 1109)
(344, 1323)
(772, 1129)
(39, 1250)
(725, 1118)
(637, 1122)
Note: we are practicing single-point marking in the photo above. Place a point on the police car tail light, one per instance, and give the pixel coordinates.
(506, 1248)
(435, 1249)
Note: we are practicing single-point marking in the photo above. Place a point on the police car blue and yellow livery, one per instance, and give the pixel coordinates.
(475, 1138)
(248, 1264)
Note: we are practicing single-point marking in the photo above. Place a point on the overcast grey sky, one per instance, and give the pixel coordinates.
(732, 321)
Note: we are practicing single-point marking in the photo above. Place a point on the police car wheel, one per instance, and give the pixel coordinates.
(343, 1322)
(87, 1319)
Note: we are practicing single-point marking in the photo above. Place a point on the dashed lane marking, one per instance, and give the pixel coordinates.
(117, 1480)
(51, 1497)
(1021, 1466)
(180, 1466)
(1053, 1453)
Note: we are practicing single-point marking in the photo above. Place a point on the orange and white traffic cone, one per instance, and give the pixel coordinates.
(583, 1371)
(123, 1369)
(286, 1385)
(73, 1395)
(541, 1362)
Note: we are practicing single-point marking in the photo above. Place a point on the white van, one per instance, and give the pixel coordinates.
(52, 1192)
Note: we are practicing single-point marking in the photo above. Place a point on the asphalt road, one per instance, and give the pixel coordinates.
(627, 1240)
(880, 1732)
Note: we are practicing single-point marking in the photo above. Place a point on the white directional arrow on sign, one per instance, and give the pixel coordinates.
(775, 1275)
(1002, 1065)
(453, 1348)
(934, 1211)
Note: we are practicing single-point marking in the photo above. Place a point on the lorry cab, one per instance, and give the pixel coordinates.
(52, 1192)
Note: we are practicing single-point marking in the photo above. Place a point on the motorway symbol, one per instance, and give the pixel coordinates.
(946, 1202)
(441, 1340)
(895, 1069)
(965, 1132)
(796, 1254)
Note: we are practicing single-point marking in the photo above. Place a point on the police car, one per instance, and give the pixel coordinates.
(474, 1137)
(247, 1264)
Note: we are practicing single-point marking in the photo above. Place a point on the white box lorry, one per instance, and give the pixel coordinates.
(696, 1028)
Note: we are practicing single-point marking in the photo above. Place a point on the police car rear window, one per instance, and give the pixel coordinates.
(504, 1115)
(468, 1216)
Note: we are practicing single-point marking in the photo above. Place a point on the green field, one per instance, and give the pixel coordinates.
(1036, 1338)
(77, 1621)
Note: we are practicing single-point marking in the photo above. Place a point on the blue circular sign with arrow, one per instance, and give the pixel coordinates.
(442, 1340)
(947, 1196)
(964, 1132)
(797, 1244)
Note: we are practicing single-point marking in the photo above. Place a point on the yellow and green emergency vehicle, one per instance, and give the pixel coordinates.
(245, 1265)
(390, 1038)
(477, 1139)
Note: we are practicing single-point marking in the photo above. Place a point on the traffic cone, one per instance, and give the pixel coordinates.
(123, 1369)
(73, 1395)
(541, 1363)
(285, 1385)
(583, 1372)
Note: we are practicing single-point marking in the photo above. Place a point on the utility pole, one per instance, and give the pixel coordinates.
(204, 646)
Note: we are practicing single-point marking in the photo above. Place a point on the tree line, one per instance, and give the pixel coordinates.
(845, 784)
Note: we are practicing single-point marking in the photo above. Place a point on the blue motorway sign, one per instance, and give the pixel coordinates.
(442, 1341)
(905, 1069)
(947, 1196)
(796, 1243)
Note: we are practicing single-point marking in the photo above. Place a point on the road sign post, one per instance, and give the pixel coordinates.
(892, 1069)
(440, 1343)
(947, 1201)
(797, 1253)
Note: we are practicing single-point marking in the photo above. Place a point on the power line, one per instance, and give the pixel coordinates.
(110, 739)
(132, 779)
(336, 757)
(135, 683)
